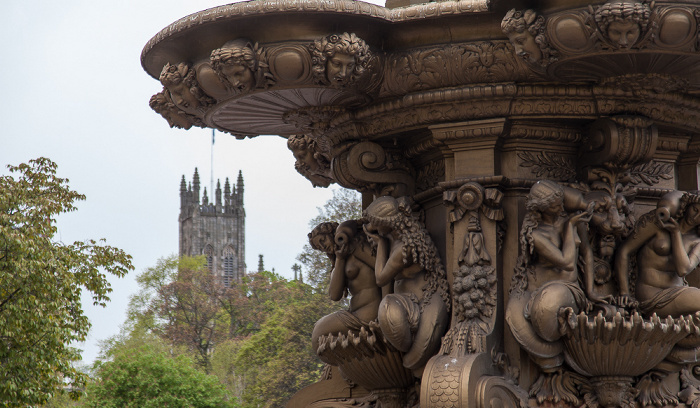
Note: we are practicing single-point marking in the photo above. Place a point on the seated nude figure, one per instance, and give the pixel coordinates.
(546, 279)
(414, 317)
(353, 272)
(667, 245)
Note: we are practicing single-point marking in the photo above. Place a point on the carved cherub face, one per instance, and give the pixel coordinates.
(235, 63)
(525, 46)
(339, 59)
(173, 79)
(239, 76)
(162, 104)
(623, 33)
(339, 69)
(623, 21)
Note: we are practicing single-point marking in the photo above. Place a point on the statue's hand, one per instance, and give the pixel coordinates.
(584, 216)
(626, 301)
(596, 298)
(371, 233)
(670, 225)
(343, 251)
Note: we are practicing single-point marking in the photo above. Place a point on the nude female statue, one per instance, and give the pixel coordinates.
(415, 316)
(546, 279)
(353, 272)
(667, 245)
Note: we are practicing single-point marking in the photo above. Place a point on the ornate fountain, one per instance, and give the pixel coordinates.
(529, 174)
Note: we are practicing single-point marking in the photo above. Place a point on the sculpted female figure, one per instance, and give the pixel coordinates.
(667, 244)
(415, 316)
(353, 272)
(546, 279)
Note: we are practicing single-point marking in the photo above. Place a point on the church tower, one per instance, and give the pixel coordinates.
(215, 229)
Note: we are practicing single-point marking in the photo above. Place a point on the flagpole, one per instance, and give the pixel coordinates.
(211, 184)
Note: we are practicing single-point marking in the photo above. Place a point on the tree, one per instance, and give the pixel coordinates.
(179, 300)
(40, 285)
(266, 368)
(345, 205)
(142, 373)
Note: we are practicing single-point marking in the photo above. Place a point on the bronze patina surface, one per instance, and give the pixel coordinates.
(529, 174)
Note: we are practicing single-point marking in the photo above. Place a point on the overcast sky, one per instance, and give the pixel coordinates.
(73, 90)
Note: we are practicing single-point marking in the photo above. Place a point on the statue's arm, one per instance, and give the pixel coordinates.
(642, 233)
(338, 281)
(563, 257)
(385, 272)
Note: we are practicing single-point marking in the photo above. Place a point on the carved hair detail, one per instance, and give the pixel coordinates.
(182, 75)
(635, 12)
(244, 53)
(542, 195)
(346, 44)
(518, 22)
(416, 242)
(162, 104)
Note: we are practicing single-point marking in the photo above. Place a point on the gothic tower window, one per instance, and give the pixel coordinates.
(229, 270)
(209, 253)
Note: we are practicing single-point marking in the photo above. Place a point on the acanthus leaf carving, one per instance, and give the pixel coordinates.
(548, 165)
(650, 173)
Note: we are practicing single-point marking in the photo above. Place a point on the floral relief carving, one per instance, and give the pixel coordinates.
(474, 286)
(428, 68)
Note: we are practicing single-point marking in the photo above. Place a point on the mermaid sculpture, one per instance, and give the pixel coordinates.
(415, 316)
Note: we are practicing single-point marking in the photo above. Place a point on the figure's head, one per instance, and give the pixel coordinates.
(236, 64)
(623, 21)
(339, 59)
(524, 30)
(689, 209)
(383, 215)
(179, 80)
(302, 148)
(611, 213)
(546, 197)
(162, 104)
(322, 237)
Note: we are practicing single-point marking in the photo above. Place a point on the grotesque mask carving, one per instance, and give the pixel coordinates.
(310, 162)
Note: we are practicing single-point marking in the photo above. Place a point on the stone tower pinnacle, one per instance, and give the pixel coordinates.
(214, 227)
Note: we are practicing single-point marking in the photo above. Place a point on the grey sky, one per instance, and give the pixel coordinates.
(74, 91)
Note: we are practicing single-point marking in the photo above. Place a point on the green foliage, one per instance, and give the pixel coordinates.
(345, 205)
(143, 374)
(40, 285)
(268, 367)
